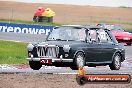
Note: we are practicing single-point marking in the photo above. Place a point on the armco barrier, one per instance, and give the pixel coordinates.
(25, 28)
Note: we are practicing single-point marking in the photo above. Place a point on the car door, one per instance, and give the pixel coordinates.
(107, 46)
(93, 48)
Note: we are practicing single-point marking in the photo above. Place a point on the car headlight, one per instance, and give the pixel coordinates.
(66, 48)
(30, 47)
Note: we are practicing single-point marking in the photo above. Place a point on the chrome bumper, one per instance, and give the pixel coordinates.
(53, 59)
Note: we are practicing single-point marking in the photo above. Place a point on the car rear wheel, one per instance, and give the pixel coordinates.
(116, 63)
(35, 65)
(79, 61)
(128, 44)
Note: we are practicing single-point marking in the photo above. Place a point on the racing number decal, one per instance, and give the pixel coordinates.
(102, 36)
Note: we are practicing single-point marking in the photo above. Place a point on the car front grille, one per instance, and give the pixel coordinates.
(48, 51)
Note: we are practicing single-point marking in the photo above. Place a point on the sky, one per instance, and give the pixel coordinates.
(109, 3)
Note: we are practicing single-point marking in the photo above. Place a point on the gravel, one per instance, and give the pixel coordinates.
(48, 81)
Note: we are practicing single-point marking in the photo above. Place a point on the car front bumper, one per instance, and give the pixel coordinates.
(52, 59)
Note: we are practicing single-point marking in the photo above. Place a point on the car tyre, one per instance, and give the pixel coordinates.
(35, 65)
(78, 61)
(116, 63)
(36, 18)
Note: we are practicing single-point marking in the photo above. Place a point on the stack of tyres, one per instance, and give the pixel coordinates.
(42, 15)
(47, 19)
(37, 18)
(43, 19)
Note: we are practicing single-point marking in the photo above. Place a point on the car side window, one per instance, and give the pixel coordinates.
(103, 36)
(92, 36)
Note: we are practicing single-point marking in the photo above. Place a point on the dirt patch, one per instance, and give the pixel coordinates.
(49, 81)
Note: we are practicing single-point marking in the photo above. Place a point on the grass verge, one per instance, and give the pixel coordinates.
(29, 22)
(13, 52)
(126, 25)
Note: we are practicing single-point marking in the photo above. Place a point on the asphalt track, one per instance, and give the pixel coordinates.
(5, 68)
(22, 37)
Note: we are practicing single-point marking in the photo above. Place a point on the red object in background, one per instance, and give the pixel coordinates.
(121, 35)
(39, 11)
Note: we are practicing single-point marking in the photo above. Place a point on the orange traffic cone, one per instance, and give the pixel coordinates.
(81, 71)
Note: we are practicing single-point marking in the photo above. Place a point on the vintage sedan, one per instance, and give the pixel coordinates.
(121, 35)
(75, 46)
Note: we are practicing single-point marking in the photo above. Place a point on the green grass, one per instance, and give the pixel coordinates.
(13, 52)
(29, 22)
(124, 7)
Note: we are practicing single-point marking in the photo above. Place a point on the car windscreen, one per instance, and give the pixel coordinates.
(67, 34)
(114, 27)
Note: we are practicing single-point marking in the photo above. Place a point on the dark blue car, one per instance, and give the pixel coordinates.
(76, 46)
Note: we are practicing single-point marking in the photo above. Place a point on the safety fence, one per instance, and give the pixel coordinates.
(64, 18)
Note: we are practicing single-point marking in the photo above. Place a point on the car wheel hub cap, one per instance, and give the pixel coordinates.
(80, 61)
(117, 61)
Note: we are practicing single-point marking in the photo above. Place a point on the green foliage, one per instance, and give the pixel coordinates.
(124, 7)
(29, 22)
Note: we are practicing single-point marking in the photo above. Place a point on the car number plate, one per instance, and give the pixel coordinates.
(46, 61)
(126, 38)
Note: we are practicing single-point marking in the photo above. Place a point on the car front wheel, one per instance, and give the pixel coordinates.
(116, 63)
(79, 61)
(35, 65)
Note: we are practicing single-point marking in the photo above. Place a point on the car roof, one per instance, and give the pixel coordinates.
(84, 26)
(109, 24)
